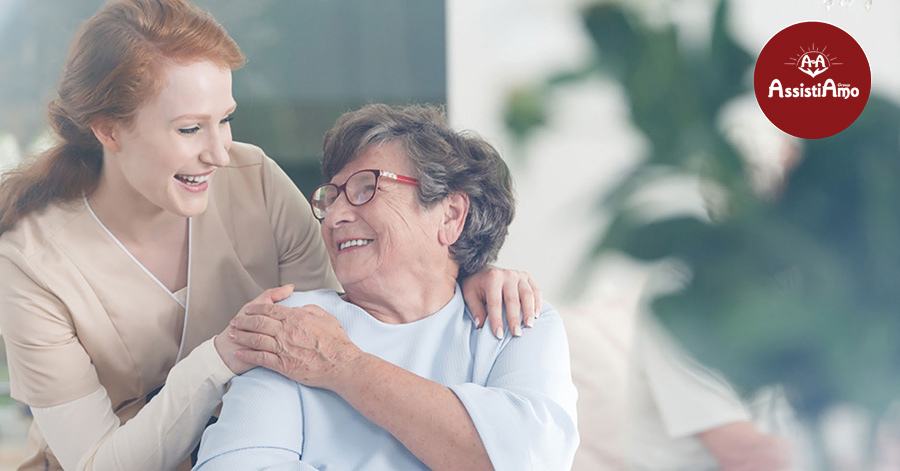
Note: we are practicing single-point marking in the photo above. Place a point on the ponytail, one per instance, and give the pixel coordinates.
(68, 170)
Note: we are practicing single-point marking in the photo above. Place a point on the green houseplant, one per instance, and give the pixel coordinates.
(802, 289)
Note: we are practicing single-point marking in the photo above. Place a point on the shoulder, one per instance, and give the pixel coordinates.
(240, 185)
(251, 172)
(544, 345)
(35, 231)
(246, 166)
(547, 323)
(245, 155)
(545, 342)
(548, 311)
(324, 298)
(548, 327)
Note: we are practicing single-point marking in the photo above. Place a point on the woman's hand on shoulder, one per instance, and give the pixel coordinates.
(495, 287)
(225, 344)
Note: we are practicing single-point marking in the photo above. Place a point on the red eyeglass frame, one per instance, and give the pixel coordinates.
(343, 188)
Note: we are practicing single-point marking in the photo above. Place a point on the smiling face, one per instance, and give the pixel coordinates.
(165, 159)
(389, 238)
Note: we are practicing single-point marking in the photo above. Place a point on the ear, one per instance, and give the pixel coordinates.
(106, 132)
(455, 208)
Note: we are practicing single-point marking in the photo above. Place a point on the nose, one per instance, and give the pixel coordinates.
(340, 212)
(216, 152)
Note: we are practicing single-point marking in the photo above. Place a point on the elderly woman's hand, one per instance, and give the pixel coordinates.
(306, 344)
(226, 347)
(496, 287)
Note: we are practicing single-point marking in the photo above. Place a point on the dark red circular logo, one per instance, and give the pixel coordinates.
(812, 80)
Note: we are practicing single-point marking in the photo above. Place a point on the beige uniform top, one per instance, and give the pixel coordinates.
(77, 312)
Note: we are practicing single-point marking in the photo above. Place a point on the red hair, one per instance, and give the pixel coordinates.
(114, 66)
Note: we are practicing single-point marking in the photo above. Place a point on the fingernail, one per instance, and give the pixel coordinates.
(529, 322)
(481, 323)
(517, 331)
(231, 335)
(232, 323)
(499, 333)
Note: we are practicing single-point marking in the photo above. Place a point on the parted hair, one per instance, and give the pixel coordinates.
(444, 161)
(114, 66)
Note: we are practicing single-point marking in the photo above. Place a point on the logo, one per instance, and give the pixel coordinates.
(813, 63)
(812, 80)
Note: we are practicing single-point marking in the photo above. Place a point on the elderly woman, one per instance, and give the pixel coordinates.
(393, 374)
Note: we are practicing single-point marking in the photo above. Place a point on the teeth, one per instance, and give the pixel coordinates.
(193, 180)
(353, 243)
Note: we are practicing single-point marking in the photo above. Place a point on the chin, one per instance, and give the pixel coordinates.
(192, 208)
(347, 277)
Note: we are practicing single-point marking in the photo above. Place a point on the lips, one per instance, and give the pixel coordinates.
(350, 243)
(197, 183)
(193, 180)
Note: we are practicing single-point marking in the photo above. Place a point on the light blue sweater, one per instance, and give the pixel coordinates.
(518, 392)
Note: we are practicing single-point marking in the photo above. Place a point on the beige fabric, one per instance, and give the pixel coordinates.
(172, 421)
(78, 313)
(91, 414)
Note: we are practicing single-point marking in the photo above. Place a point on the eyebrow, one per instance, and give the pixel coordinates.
(203, 116)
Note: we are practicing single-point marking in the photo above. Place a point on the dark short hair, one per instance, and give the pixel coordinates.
(444, 161)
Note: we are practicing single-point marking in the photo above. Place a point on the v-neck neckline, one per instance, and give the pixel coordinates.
(140, 265)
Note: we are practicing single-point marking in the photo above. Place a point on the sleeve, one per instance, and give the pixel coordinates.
(50, 370)
(93, 417)
(302, 258)
(47, 363)
(525, 413)
(260, 426)
(160, 436)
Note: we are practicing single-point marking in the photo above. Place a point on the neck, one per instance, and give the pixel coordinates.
(127, 214)
(397, 301)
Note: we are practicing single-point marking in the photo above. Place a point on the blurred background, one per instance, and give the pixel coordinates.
(658, 209)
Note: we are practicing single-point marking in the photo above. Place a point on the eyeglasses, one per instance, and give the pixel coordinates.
(360, 189)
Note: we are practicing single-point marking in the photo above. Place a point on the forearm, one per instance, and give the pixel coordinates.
(426, 417)
(169, 426)
(160, 436)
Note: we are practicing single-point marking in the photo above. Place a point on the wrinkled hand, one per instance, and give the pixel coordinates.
(496, 286)
(306, 344)
(226, 347)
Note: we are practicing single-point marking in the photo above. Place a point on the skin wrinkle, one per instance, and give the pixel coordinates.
(401, 231)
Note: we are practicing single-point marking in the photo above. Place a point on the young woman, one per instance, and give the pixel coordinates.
(129, 246)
